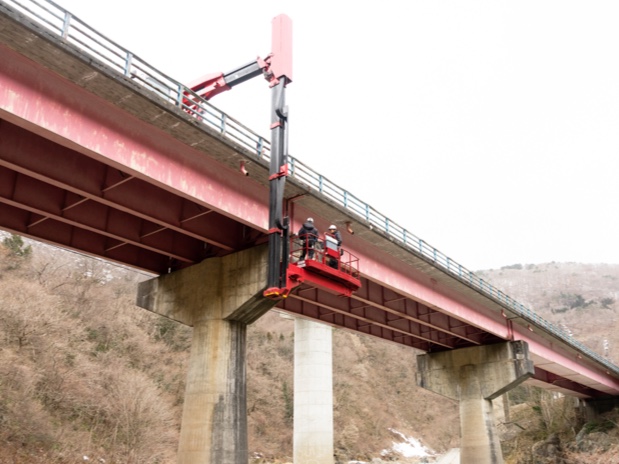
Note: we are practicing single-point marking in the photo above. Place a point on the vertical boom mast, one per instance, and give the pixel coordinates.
(277, 69)
(281, 76)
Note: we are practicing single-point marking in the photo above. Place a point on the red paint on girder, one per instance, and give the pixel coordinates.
(46, 104)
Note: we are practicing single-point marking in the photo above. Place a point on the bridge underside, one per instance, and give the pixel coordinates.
(381, 312)
(57, 195)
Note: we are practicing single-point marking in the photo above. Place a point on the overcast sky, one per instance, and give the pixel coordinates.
(490, 129)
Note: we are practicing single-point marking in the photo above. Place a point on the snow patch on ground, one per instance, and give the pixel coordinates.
(408, 447)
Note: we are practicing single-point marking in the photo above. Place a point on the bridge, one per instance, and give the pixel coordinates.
(99, 153)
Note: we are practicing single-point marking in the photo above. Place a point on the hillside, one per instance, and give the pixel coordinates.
(84, 372)
(581, 299)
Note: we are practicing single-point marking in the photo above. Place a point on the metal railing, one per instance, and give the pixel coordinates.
(72, 30)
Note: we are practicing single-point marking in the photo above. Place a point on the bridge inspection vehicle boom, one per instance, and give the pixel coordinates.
(329, 272)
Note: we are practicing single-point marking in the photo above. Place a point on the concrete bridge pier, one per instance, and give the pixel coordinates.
(313, 393)
(218, 297)
(475, 376)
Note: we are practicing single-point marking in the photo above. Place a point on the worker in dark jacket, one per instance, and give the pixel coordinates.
(308, 235)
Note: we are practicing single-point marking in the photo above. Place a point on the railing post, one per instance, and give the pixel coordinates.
(179, 95)
(291, 164)
(259, 146)
(65, 25)
(128, 63)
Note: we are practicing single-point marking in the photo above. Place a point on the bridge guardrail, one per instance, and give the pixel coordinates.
(74, 31)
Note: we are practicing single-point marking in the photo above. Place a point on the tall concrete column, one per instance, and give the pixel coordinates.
(475, 376)
(500, 408)
(214, 421)
(313, 393)
(218, 297)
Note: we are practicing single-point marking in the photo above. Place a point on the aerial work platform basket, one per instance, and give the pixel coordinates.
(323, 264)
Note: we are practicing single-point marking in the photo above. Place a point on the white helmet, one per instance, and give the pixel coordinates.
(310, 219)
(332, 226)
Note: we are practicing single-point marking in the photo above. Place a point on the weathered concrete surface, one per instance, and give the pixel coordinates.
(451, 457)
(226, 288)
(214, 422)
(218, 297)
(475, 376)
(313, 393)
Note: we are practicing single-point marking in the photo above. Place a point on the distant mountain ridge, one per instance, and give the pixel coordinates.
(581, 299)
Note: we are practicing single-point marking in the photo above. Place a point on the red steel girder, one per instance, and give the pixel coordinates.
(382, 312)
(19, 221)
(433, 332)
(407, 308)
(371, 319)
(65, 169)
(308, 307)
(562, 382)
(51, 202)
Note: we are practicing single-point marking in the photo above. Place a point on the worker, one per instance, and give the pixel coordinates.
(336, 234)
(333, 232)
(308, 235)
